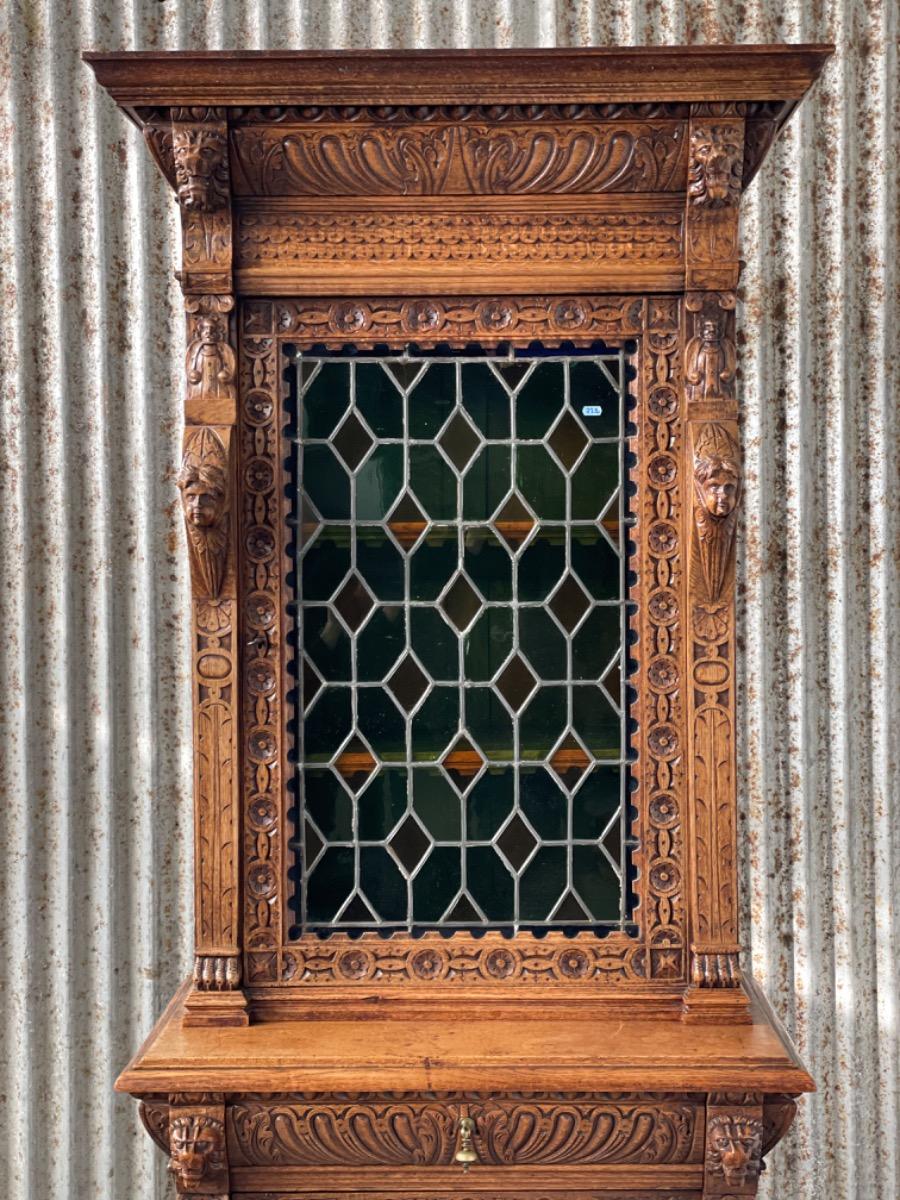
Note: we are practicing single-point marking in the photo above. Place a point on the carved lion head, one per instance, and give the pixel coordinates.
(716, 166)
(196, 1148)
(201, 176)
(735, 1143)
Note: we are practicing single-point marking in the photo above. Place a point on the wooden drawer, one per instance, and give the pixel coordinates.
(607, 1144)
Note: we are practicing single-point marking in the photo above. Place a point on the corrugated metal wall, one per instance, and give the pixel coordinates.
(94, 709)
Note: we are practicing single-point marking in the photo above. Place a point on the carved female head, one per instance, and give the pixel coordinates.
(202, 480)
(717, 473)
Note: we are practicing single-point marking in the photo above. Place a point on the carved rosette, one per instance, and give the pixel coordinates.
(715, 171)
(261, 523)
(658, 624)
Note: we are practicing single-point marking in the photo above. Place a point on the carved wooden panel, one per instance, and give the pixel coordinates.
(472, 158)
(518, 1131)
(313, 238)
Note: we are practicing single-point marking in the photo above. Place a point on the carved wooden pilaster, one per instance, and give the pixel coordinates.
(197, 149)
(714, 468)
(715, 169)
(734, 1145)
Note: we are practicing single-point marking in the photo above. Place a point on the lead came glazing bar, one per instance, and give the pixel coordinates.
(460, 560)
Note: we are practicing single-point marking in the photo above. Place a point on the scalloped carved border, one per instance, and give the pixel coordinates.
(658, 954)
(524, 1131)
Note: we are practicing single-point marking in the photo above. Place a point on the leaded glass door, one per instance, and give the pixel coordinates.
(460, 630)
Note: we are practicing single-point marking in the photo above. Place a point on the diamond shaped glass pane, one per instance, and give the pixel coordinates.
(515, 682)
(516, 842)
(352, 441)
(408, 683)
(463, 763)
(567, 440)
(569, 603)
(353, 602)
(514, 522)
(410, 844)
(407, 521)
(459, 441)
(461, 603)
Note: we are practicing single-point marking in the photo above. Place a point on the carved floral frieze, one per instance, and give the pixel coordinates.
(390, 237)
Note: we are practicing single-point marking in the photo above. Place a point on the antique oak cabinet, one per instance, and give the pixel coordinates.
(461, 478)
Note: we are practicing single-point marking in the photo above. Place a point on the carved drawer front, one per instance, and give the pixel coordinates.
(508, 1131)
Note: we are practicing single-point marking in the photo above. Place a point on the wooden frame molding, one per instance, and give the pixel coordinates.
(449, 199)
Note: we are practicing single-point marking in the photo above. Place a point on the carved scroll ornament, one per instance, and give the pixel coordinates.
(204, 486)
(717, 490)
(197, 1149)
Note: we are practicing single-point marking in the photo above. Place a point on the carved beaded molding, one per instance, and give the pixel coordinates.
(658, 955)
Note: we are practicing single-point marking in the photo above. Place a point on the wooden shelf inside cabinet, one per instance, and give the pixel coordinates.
(460, 477)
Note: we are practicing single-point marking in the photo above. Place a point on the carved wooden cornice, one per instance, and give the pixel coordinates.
(647, 74)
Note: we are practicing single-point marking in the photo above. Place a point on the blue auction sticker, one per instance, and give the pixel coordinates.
(592, 410)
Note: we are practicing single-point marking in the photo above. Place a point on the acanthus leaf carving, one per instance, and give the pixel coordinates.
(204, 482)
(510, 1132)
(460, 159)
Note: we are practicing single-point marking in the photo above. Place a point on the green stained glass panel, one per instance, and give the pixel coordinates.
(539, 400)
(328, 486)
(488, 644)
(541, 482)
(325, 400)
(432, 400)
(378, 483)
(485, 400)
(437, 804)
(379, 400)
(459, 601)
(487, 480)
(437, 883)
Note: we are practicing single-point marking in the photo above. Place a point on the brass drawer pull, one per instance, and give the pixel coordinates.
(465, 1150)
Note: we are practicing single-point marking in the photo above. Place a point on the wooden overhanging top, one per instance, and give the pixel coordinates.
(553, 76)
